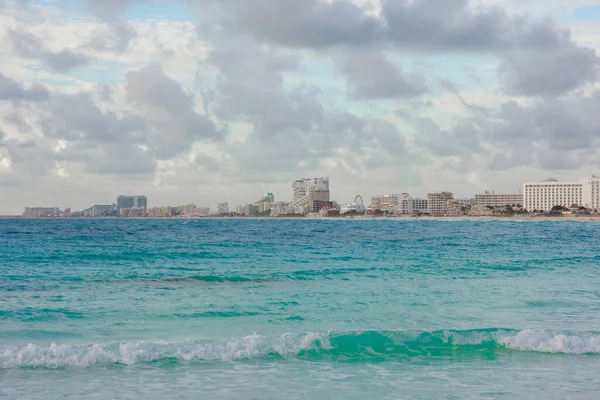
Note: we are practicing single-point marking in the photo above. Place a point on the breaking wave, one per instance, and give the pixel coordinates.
(330, 346)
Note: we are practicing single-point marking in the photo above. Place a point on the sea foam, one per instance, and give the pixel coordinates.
(332, 346)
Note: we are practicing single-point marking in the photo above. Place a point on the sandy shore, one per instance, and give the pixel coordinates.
(581, 218)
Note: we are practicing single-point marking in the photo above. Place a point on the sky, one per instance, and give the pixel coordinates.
(206, 101)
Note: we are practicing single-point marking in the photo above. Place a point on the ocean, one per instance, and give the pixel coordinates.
(299, 309)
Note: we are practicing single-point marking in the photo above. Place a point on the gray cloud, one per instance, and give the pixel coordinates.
(456, 25)
(65, 60)
(13, 90)
(108, 9)
(160, 124)
(463, 138)
(28, 45)
(372, 75)
(548, 72)
(414, 24)
(538, 58)
(312, 23)
(169, 109)
(550, 133)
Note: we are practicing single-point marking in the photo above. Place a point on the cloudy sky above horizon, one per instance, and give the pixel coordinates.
(206, 101)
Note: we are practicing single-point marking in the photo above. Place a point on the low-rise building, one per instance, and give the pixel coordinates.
(188, 209)
(102, 210)
(494, 199)
(281, 208)
(41, 212)
(132, 212)
(388, 202)
(457, 207)
(203, 211)
(409, 205)
(316, 195)
(160, 212)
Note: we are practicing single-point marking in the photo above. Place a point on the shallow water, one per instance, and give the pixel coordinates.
(299, 309)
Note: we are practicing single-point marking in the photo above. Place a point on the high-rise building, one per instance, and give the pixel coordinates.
(437, 202)
(301, 188)
(140, 202)
(591, 192)
(544, 195)
(223, 208)
(270, 198)
(250, 209)
(131, 202)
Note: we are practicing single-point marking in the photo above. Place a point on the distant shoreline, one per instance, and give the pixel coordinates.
(588, 218)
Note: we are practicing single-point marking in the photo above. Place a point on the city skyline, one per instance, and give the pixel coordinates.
(312, 196)
(203, 101)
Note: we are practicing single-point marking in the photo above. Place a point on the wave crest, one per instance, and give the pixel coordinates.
(333, 346)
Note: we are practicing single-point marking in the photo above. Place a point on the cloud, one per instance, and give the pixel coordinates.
(372, 76)
(549, 133)
(538, 58)
(548, 72)
(29, 45)
(14, 91)
(422, 25)
(169, 109)
(307, 23)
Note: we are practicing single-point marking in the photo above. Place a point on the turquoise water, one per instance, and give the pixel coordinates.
(296, 309)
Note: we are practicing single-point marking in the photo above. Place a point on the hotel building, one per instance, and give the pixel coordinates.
(493, 199)
(409, 205)
(301, 189)
(437, 203)
(544, 195)
(388, 202)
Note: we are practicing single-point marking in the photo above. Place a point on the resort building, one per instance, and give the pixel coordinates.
(280, 208)
(388, 202)
(315, 196)
(301, 189)
(437, 202)
(409, 205)
(102, 210)
(223, 208)
(591, 192)
(544, 195)
(131, 202)
(203, 211)
(132, 212)
(493, 199)
(250, 210)
(41, 212)
(159, 212)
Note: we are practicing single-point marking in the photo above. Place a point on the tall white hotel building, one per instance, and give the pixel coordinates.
(546, 194)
